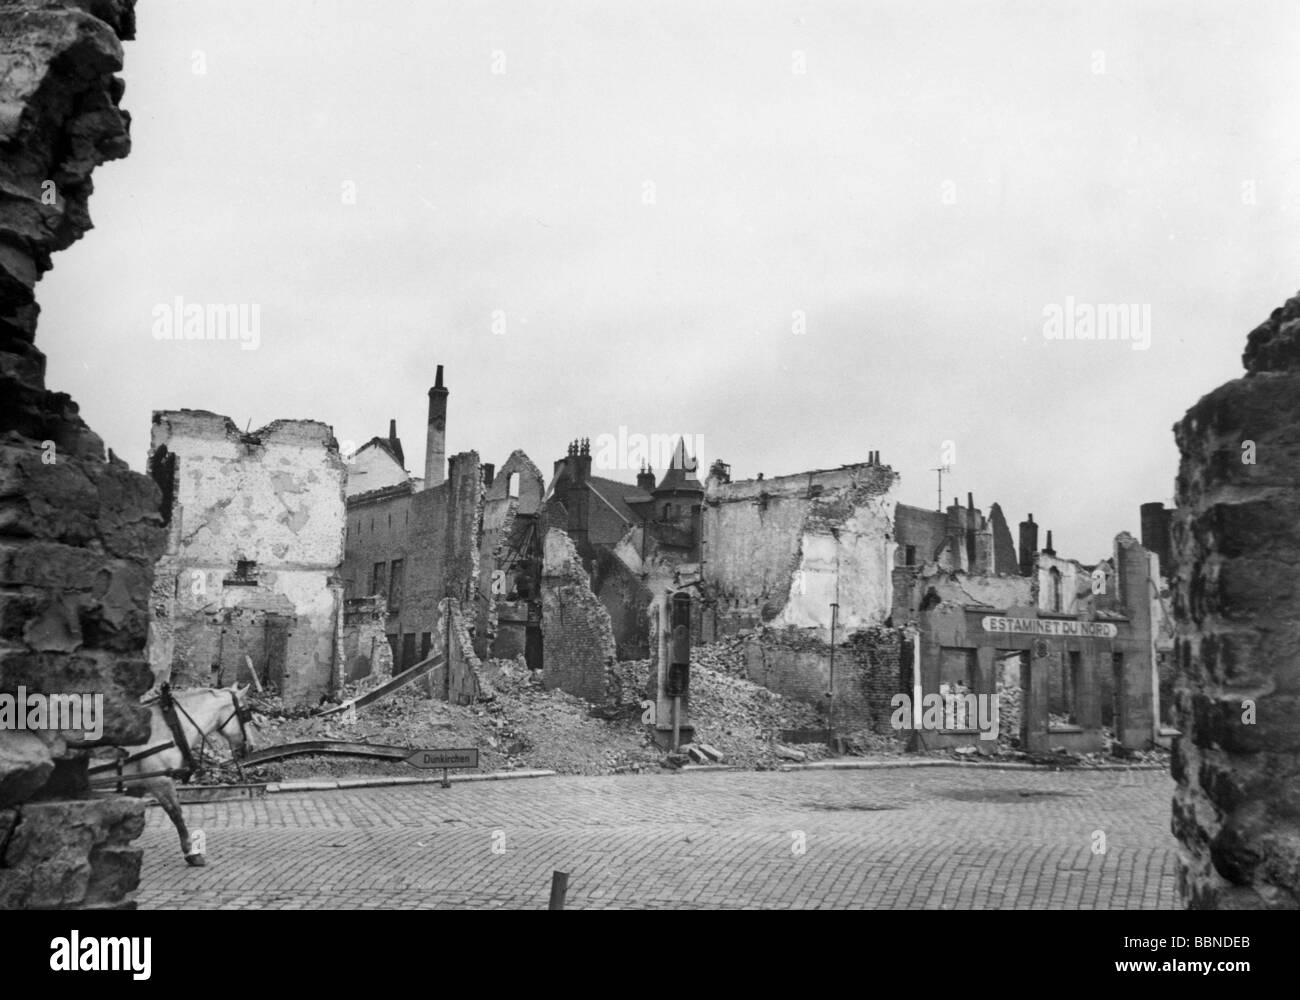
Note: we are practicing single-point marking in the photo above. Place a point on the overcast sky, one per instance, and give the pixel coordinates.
(646, 197)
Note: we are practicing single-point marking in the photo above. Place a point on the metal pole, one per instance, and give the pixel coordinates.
(830, 709)
(677, 722)
(559, 889)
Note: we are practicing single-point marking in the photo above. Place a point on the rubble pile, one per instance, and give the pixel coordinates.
(726, 656)
(741, 719)
(526, 726)
(1009, 697)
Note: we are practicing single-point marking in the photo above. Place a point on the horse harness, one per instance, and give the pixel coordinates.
(169, 706)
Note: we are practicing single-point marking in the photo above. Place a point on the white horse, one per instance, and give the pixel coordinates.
(148, 768)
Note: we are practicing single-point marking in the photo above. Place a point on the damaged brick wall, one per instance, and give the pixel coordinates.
(443, 554)
(78, 534)
(253, 556)
(1236, 540)
(434, 532)
(797, 664)
(577, 634)
(880, 661)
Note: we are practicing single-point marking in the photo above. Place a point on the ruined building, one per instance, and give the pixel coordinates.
(840, 596)
(799, 566)
(447, 565)
(1235, 547)
(1067, 650)
(628, 536)
(510, 561)
(79, 532)
(254, 549)
(616, 555)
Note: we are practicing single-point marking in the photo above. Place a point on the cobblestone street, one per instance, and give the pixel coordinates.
(907, 838)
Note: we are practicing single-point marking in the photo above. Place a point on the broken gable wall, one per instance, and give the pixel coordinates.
(373, 468)
(502, 623)
(779, 551)
(273, 498)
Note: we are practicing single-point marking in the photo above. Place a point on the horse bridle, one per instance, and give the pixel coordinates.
(243, 713)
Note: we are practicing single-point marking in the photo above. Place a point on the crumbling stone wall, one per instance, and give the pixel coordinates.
(271, 502)
(506, 523)
(462, 679)
(78, 533)
(1236, 541)
(366, 652)
(577, 633)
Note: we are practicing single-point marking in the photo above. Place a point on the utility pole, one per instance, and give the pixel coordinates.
(830, 708)
(939, 500)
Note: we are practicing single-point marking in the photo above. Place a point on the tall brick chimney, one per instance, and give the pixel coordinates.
(435, 448)
(1028, 545)
(395, 442)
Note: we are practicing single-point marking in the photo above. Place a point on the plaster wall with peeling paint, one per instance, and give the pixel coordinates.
(780, 551)
(251, 570)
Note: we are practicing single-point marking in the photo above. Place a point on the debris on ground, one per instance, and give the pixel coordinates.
(526, 726)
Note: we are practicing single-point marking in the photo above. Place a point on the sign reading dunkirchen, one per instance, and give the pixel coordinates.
(1049, 626)
(444, 758)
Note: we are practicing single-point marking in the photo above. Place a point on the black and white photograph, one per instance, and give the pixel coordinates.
(728, 455)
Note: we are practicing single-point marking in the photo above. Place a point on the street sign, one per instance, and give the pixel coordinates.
(444, 758)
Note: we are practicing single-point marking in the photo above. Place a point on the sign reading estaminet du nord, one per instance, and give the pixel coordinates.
(1049, 626)
(442, 757)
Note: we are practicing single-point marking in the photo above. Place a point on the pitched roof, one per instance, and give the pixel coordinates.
(681, 472)
(387, 447)
(617, 495)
